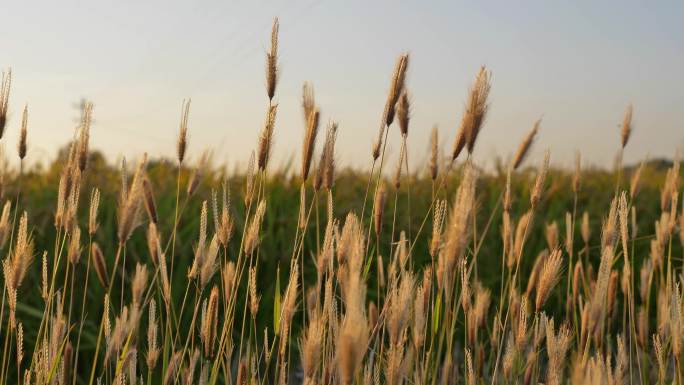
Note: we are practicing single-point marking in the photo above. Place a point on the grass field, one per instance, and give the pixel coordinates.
(172, 271)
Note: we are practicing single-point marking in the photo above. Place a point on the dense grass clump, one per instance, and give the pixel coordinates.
(178, 272)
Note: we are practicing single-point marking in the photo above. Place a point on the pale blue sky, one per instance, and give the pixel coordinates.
(577, 64)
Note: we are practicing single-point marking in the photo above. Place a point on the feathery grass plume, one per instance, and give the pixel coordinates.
(252, 234)
(525, 145)
(152, 329)
(289, 307)
(538, 188)
(377, 145)
(663, 310)
(326, 166)
(470, 374)
(69, 218)
(586, 229)
(209, 322)
(437, 226)
(507, 238)
(74, 251)
(84, 136)
(225, 222)
(379, 208)
(200, 249)
(400, 163)
(290, 299)
(350, 251)
(20, 258)
(458, 228)
(100, 265)
(634, 183)
(302, 218)
(126, 324)
(600, 295)
(396, 88)
(23, 133)
(106, 323)
(324, 257)
(419, 318)
(612, 291)
(311, 120)
(92, 213)
(311, 345)
(578, 172)
(536, 271)
(465, 285)
(209, 262)
(351, 345)
(548, 277)
(609, 228)
(403, 113)
(476, 107)
(660, 355)
(552, 235)
(459, 142)
(249, 180)
(506, 201)
(67, 181)
(150, 204)
(509, 357)
(645, 274)
(5, 223)
(129, 207)
(228, 278)
(623, 214)
(182, 144)
(395, 364)
(20, 344)
(4, 98)
(556, 346)
(254, 298)
(266, 138)
(8, 273)
(519, 240)
(626, 126)
(569, 233)
(308, 101)
(163, 273)
(576, 282)
(272, 61)
(670, 186)
(642, 327)
(139, 283)
(399, 305)
(153, 242)
(480, 306)
(434, 153)
(44, 278)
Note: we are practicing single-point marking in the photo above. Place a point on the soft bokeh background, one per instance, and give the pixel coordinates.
(576, 64)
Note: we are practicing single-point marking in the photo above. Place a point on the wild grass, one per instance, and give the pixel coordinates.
(174, 273)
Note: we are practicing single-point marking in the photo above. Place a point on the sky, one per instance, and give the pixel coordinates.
(575, 64)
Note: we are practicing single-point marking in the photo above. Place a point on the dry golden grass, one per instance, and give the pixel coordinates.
(355, 316)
